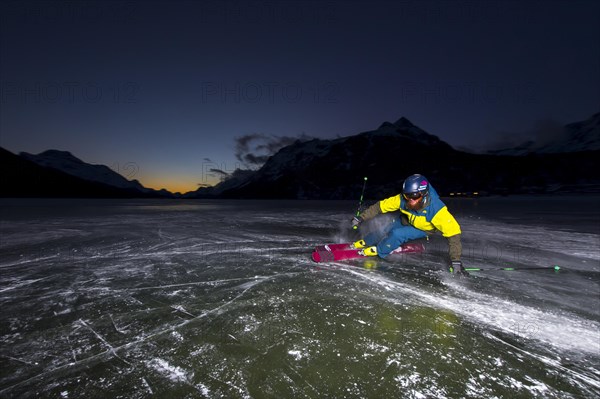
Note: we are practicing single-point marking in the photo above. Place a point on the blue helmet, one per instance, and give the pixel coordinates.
(415, 186)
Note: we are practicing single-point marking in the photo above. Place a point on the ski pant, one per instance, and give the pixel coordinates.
(394, 235)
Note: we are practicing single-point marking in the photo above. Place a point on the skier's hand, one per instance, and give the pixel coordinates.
(356, 220)
(456, 267)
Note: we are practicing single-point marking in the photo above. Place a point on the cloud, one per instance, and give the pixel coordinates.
(218, 173)
(253, 150)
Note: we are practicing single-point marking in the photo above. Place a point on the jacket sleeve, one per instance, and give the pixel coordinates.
(371, 211)
(447, 224)
(390, 204)
(455, 247)
(387, 205)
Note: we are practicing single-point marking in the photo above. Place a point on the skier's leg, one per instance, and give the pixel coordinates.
(398, 235)
(374, 236)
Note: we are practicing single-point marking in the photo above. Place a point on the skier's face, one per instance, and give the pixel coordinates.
(414, 205)
(414, 201)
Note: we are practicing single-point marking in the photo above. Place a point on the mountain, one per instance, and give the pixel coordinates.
(21, 177)
(575, 137)
(65, 162)
(238, 178)
(579, 136)
(334, 169)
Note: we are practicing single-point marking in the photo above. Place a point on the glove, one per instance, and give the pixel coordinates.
(456, 267)
(356, 220)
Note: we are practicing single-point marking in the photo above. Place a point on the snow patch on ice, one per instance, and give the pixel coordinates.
(177, 336)
(203, 389)
(555, 329)
(375, 347)
(174, 373)
(202, 349)
(297, 354)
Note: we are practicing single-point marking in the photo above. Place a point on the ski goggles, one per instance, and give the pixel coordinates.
(412, 196)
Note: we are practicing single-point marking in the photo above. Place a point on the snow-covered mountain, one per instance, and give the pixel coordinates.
(237, 179)
(579, 136)
(284, 173)
(384, 146)
(67, 163)
(334, 169)
(21, 177)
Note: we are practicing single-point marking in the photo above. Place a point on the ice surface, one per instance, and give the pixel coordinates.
(220, 299)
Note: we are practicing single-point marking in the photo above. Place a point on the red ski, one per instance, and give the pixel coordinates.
(333, 252)
(333, 247)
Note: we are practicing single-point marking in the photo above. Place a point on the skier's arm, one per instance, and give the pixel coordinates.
(387, 205)
(455, 248)
(371, 211)
(447, 224)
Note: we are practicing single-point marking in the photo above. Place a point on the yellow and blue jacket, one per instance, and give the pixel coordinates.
(434, 216)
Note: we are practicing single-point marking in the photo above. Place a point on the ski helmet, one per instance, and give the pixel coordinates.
(415, 187)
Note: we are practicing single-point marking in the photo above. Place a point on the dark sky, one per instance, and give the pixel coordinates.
(170, 86)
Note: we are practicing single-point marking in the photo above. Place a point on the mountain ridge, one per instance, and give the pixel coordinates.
(575, 137)
(23, 178)
(68, 163)
(334, 168)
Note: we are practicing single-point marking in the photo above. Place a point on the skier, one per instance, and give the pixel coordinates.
(421, 212)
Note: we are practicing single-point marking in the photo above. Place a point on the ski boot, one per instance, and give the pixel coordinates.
(359, 244)
(369, 251)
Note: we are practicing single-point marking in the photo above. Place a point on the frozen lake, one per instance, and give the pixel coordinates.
(165, 298)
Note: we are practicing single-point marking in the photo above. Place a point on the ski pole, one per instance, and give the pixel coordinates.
(477, 269)
(360, 201)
